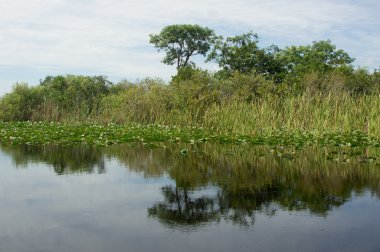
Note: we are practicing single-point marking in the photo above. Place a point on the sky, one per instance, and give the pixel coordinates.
(111, 37)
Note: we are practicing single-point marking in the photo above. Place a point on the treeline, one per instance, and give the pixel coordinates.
(55, 99)
(313, 87)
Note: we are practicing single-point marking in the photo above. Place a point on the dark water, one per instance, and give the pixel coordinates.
(207, 198)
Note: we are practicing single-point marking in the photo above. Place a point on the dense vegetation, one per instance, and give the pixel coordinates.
(241, 103)
(258, 91)
(36, 133)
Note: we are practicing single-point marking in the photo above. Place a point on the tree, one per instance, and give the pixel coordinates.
(242, 53)
(180, 42)
(320, 56)
(76, 92)
(20, 103)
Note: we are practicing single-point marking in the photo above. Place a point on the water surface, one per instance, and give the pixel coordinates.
(188, 198)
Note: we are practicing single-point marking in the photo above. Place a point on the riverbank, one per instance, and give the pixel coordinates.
(240, 105)
(108, 134)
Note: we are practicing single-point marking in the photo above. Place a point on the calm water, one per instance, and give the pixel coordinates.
(215, 198)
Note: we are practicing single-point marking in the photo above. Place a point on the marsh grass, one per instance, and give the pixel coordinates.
(315, 114)
(249, 107)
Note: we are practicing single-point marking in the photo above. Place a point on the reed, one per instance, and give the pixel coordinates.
(317, 114)
(237, 105)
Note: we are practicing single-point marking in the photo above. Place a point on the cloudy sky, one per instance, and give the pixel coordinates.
(110, 37)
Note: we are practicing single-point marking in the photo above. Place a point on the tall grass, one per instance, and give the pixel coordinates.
(318, 114)
(239, 104)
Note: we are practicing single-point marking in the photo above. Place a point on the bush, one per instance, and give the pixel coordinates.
(20, 104)
(146, 101)
(361, 82)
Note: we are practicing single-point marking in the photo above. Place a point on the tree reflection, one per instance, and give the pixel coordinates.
(240, 207)
(225, 182)
(63, 159)
(251, 180)
(179, 208)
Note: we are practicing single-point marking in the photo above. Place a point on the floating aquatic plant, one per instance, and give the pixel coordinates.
(108, 134)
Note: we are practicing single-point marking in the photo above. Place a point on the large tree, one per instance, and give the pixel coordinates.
(320, 56)
(180, 42)
(241, 53)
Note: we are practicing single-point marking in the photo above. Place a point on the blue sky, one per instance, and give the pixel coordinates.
(110, 37)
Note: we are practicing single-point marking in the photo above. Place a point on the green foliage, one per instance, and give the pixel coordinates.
(361, 82)
(20, 103)
(56, 98)
(245, 87)
(82, 94)
(320, 56)
(339, 82)
(317, 83)
(192, 96)
(145, 101)
(119, 87)
(181, 42)
(240, 103)
(376, 79)
(186, 73)
(33, 133)
(242, 53)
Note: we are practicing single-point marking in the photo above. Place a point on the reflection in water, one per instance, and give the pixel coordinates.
(64, 159)
(247, 180)
(180, 209)
(232, 183)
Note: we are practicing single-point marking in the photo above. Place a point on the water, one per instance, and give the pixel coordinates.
(213, 198)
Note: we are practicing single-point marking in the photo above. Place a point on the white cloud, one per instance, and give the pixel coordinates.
(111, 36)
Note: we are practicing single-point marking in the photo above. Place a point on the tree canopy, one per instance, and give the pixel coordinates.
(320, 56)
(241, 53)
(181, 42)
